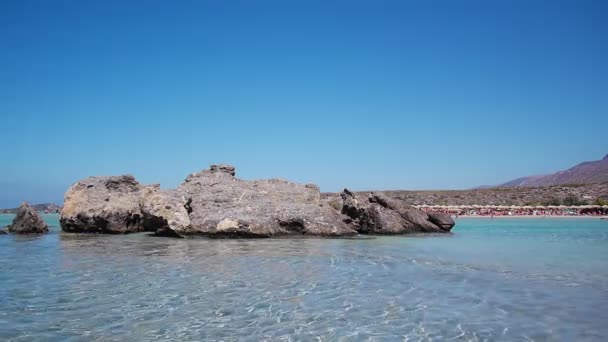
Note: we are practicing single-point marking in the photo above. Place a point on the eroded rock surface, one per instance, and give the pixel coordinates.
(27, 221)
(164, 211)
(215, 203)
(378, 214)
(103, 205)
(222, 205)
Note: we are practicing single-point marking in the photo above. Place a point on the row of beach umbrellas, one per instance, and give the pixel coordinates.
(498, 207)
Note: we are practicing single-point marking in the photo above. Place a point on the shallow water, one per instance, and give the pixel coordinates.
(502, 279)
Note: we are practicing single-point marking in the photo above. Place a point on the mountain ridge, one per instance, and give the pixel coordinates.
(588, 172)
(42, 207)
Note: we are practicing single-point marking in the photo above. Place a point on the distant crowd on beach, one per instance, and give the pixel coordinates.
(492, 211)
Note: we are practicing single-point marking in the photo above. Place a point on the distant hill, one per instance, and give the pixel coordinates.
(583, 173)
(44, 207)
(541, 195)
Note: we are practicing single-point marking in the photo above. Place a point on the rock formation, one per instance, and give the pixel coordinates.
(119, 205)
(222, 205)
(164, 211)
(378, 214)
(103, 205)
(215, 203)
(27, 221)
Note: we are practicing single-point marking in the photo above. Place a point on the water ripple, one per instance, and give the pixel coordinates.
(113, 288)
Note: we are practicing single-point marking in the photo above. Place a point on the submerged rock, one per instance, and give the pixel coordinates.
(27, 221)
(378, 214)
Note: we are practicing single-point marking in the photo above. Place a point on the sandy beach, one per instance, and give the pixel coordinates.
(533, 217)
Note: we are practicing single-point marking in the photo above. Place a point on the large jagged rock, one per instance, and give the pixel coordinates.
(378, 214)
(103, 205)
(222, 205)
(119, 205)
(215, 203)
(27, 221)
(164, 211)
(442, 221)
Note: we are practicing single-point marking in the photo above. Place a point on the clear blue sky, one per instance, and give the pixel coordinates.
(364, 94)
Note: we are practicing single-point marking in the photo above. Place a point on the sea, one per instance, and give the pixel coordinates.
(490, 280)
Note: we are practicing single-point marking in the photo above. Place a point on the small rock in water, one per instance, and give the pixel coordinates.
(27, 221)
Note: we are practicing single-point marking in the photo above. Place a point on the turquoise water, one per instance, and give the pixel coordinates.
(495, 280)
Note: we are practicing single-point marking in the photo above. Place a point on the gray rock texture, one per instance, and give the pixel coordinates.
(107, 205)
(222, 205)
(378, 214)
(215, 203)
(27, 221)
(164, 211)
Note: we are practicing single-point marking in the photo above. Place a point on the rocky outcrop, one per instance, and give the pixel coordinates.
(27, 221)
(222, 205)
(229, 169)
(215, 203)
(442, 221)
(120, 205)
(164, 211)
(378, 214)
(103, 205)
